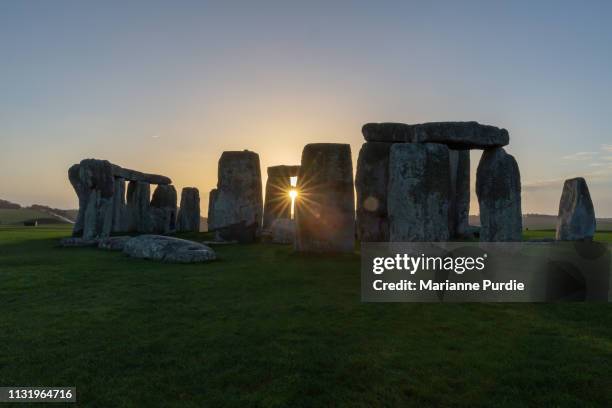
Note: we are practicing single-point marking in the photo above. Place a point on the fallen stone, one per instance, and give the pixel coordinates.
(576, 219)
(457, 135)
(498, 187)
(116, 243)
(168, 249)
(77, 242)
(188, 219)
(241, 232)
(282, 231)
(237, 200)
(163, 209)
(371, 185)
(419, 192)
(325, 206)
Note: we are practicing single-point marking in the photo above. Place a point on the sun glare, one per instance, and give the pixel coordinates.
(293, 194)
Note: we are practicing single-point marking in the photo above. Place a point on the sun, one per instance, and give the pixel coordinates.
(293, 194)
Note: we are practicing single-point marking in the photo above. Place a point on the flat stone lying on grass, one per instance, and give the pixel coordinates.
(75, 242)
(114, 243)
(168, 249)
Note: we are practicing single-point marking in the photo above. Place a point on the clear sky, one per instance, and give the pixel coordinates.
(167, 86)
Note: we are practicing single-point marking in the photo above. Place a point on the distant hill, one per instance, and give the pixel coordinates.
(543, 221)
(7, 205)
(15, 214)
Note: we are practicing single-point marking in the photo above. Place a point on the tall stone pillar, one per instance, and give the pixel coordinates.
(498, 187)
(120, 216)
(93, 182)
(189, 211)
(419, 192)
(371, 185)
(277, 204)
(163, 209)
(576, 220)
(139, 207)
(459, 211)
(237, 204)
(325, 206)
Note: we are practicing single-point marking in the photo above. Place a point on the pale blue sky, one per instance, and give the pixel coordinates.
(167, 86)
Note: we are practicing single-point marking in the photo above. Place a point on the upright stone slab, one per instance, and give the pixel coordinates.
(163, 209)
(120, 212)
(212, 199)
(189, 212)
(238, 204)
(576, 220)
(419, 192)
(498, 187)
(277, 204)
(460, 193)
(139, 207)
(94, 184)
(371, 184)
(325, 206)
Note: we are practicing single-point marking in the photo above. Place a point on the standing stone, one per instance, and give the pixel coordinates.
(576, 220)
(94, 184)
(371, 185)
(189, 211)
(81, 191)
(498, 187)
(325, 207)
(163, 209)
(120, 216)
(139, 206)
(277, 204)
(212, 199)
(460, 193)
(419, 192)
(237, 204)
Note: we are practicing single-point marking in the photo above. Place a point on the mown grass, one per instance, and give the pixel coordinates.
(263, 327)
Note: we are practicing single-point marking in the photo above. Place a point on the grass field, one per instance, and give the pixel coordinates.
(263, 327)
(25, 214)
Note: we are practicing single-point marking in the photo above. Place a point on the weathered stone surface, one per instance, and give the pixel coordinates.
(458, 135)
(168, 249)
(212, 199)
(94, 184)
(77, 242)
(325, 207)
(116, 243)
(460, 193)
(283, 171)
(371, 184)
(283, 231)
(120, 211)
(189, 211)
(237, 201)
(576, 220)
(133, 175)
(278, 202)
(498, 187)
(139, 207)
(419, 192)
(163, 209)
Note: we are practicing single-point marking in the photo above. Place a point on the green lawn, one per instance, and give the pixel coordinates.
(25, 214)
(264, 327)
